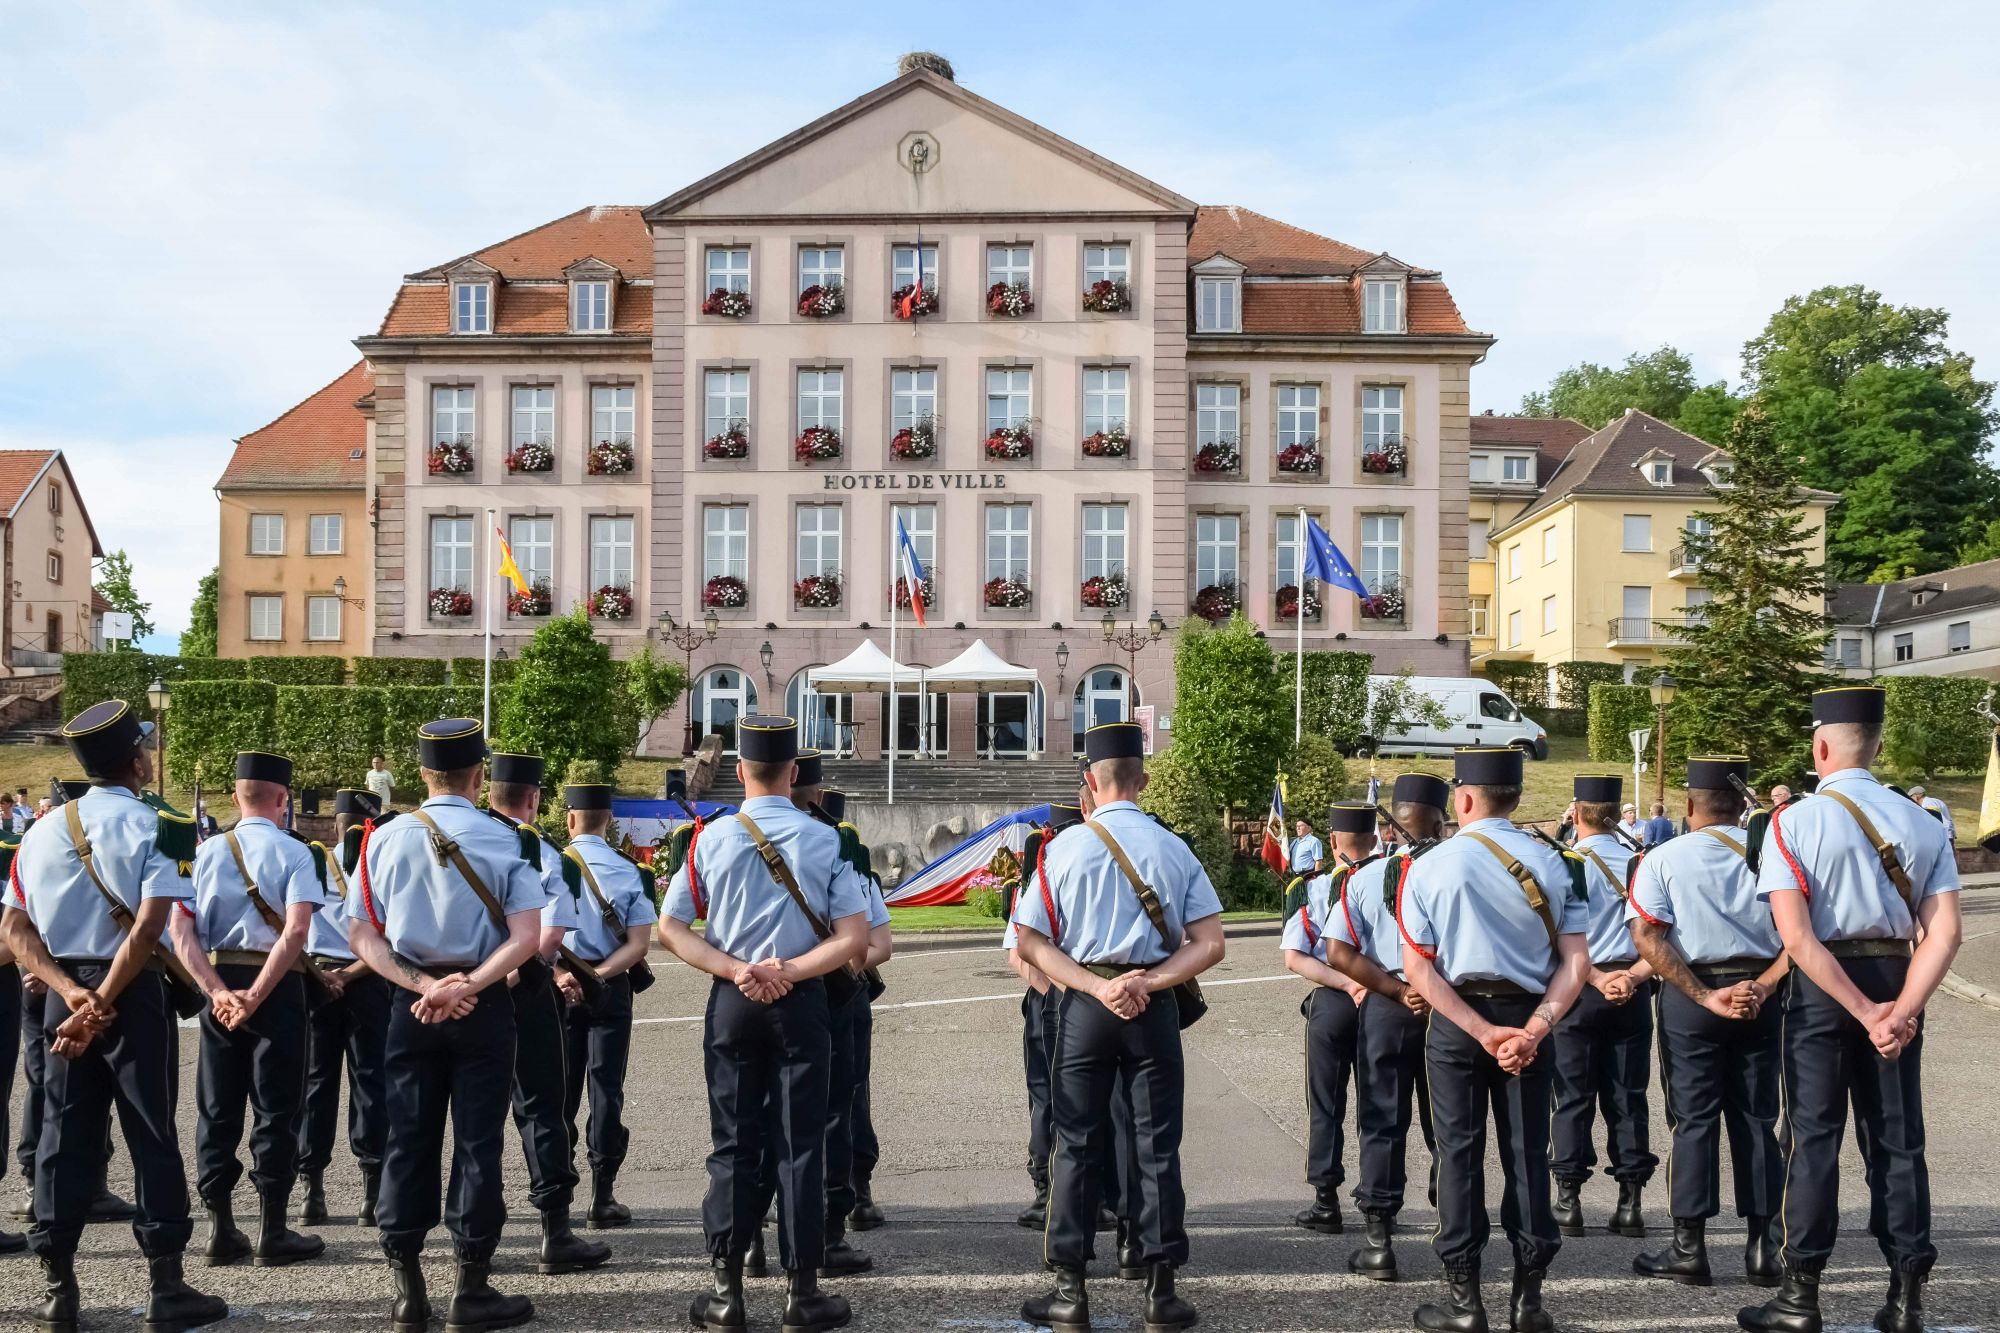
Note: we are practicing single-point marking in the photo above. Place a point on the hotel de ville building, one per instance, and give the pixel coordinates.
(1089, 399)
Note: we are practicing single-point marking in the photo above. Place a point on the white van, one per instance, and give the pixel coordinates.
(1478, 712)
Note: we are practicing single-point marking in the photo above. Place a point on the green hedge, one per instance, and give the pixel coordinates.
(1931, 726)
(1563, 721)
(407, 707)
(1335, 690)
(212, 720)
(297, 670)
(90, 678)
(213, 668)
(1574, 679)
(1616, 710)
(1526, 683)
(329, 731)
(472, 670)
(391, 671)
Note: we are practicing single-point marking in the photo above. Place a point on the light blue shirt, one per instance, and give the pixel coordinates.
(1368, 922)
(878, 907)
(282, 868)
(1814, 845)
(559, 908)
(1305, 929)
(1701, 889)
(1307, 852)
(1030, 883)
(624, 891)
(1099, 916)
(427, 911)
(1610, 938)
(1460, 902)
(327, 936)
(750, 915)
(55, 890)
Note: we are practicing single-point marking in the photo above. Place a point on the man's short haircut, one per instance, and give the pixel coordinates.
(456, 779)
(509, 793)
(1120, 773)
(254, 791)
(1855, 738)
(1597, 814)
(1498, 797)
(1716, 804)
(1413, 813)
(592, 821)
(768, 772)
(373, 757)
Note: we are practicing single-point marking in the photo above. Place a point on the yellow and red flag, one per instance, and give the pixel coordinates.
(508, 569)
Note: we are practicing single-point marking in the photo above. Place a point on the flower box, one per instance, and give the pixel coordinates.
(451, 458)
(1288, 602)
(726, 592)
(927, 585)
(1111, 442)
(817, 444)
(731, 443)
(817, 591)
(1105, 591)
(910, 301)
(611, 602)
(611, 458)
(1107, 296)
(450, 603)
(532, 456)
(1011, 299)
(1384, 605)
(1218, 456)
(1302, 457)
(1390, 459)
(729, 304)
(915, 441)
(823, 300)
(1006, 442)
(1217, 601)
(1008, 594)
(538, 600)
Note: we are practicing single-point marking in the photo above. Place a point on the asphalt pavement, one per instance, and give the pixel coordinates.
(951, 1113)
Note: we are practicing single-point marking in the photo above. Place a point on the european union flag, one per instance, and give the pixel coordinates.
(1325, 562)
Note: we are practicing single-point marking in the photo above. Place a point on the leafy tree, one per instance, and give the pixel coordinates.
(564, 703)
(1656, 383)
(1747, 667)
(1315, 777)
(1823, 339)
(1709, 412)
(199, 638)
(653, 684)
(1231, 708)
(1397, 705)
(1985, 546)
(1182, 800)
(114, 585)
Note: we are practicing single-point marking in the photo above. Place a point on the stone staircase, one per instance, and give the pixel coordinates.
(1011, 782)
(30, 710)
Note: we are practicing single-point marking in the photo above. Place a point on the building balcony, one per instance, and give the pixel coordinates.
(1683, 564)
(1645, 631)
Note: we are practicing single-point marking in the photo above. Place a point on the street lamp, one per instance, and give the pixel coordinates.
(764, 655)
(1062, 665)
(159, 695)
(687, 638)
(1131, 640)
(1663, 694)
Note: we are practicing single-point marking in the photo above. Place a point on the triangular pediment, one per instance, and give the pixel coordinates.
(471, 270)
(1384, 263)
(590, 266)
(976, 157)
(1220, 265)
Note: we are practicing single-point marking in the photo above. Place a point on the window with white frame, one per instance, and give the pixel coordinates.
(1549, 615)
(1381, 416)
(912, 397)
(1215, 301)
(725, 542)
(323, 619)
(728, 268)
(590, 306)
(1850, 655)
(1660, 471)
(820, 393)
(1550, 547)
(1008, 546)
(1958, 637)
(910, 265)
(1479, 611)
(1383, 309)
(1382, 551)
(1298, 414)
(1218, 413)
(818, 540)
(1287, 554)
(453, 413)
(267, 534)
(533, 415)
(1012, 265)
(532, 538)
(1107, 397)
(55, 497)
(267, 618)
(1513, 562)
(1906, 647)
(920, 521)
(1479, 468)
(1513, 629)
(55, 567)
(822, 266)
(1216, 539)
(1109, 262)
(1105, 527)
(1637, 530)
(610, 552)
(614, 413)
(451, 553)
(472, 307)
(1475, 538)
(1514, 469)
(1009, 396)
(725, 401)
(324, 534)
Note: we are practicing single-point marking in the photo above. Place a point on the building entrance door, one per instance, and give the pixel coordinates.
(1006, 726)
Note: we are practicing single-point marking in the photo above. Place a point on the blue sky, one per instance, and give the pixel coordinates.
(202, 204)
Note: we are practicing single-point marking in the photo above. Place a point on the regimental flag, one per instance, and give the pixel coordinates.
(1275, 841)
(508, 569)
(913, 570)
(1989, 802)
(1325, 562)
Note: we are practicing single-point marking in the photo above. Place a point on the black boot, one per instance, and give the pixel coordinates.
(226, 1245)
(1377, 1257)
(1569, 1207)
(412, 1311)
(58, 1312)
(173, 1306)
(1524, 1312)
(563, 1251)
(1066, 1309)
(12, 1242)
(24, 1211)
(1904, 1310)
(841, 1259)
(1461, 1311)
(1131, 1259)
(1166, 1312)
(605, 1210)
(754, 1264)
(1107, 1217)
(1324, 1215)
(1626, 1219)
(810, 1310)
(1035, 1217)
(1685, 1261)
(108, 1207)
(277, 1244)
(1760, 1252)
(312, 1210)
(1795, 1309)
(476, 1307)
(723, 1307)
(866, 1216)
(371, 1189)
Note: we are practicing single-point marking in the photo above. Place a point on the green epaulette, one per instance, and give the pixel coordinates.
(177, 837)
(1753, 838)
(649, 880)
(531, 844)
(318, 850)
(9, 845)
(1579, 881)
(856, 851)
(1295, 893)
(572, 874)
(676, 848)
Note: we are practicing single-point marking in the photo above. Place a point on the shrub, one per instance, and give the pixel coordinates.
(1178, 794)
(985, 902)
(564, 702)
(297, 670)
(407, 707)
(91, 678)
(329, 731)
(1616, 710)
(212, 720)
(1526, 683)
(1565, 721)
(211, 668)
(1574, 679)
(1335, 689)
(1231, 707)
(470, 672)
(1932, 726)
(1252, 888)
(1315, 777)
(390, 671)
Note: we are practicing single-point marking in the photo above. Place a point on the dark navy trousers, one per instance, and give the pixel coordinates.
(11, 1012)
(34, 1047)
(541, 1093)
(1602, 1053)
(1333, 1025)
(867, 1148)
(842, 1081)
(346, 1034)
(1721, 1074)
(1041, 1015)
(261, 1064)
(1389, 1087)
(600, 1047)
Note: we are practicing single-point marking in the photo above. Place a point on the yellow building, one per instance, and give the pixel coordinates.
(1594, 568)
(1510, 458)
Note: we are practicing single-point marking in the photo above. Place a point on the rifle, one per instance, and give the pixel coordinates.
(1743, 790)
(1418, 846)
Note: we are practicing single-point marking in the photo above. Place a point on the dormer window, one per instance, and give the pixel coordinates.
(1517, 469)
(472, 307)
(1382, 305)
(590, 306)
(1217, 303)
(1660, 472)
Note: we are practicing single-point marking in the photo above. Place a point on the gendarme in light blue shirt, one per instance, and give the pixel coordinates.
(560, 908)
(750, 915)
(56, 891)
(426, 911)
(1307, 852)
(623, 889)
(281, 866)
(1099, 916)
(1816, 846)
(1610, 938)
(1701, 889)
(1366, 920)
(1307, 929)
(327, 936)
(1460, 902)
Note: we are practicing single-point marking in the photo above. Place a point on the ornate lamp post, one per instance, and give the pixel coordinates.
(1663, 694)
(159, 694)
(687, 638)
(1131, 640)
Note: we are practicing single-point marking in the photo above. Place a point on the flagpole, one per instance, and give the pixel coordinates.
(1299, 652)
(486, 691)
(894, 603)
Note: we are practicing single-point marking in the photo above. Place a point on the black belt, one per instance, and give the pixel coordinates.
(152, 964)
(1868, 948)
(1626, 966)
(1484, 989)
(331, 960)
(1109, 970)
(1730, 970)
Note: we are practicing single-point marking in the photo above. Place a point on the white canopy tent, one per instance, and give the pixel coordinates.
(866, 670)
(980, 670)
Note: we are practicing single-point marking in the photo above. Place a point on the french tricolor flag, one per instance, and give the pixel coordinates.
(913, 570)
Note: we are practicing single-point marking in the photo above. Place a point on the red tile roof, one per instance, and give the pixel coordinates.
(321, 444)
(1266, 246)
(615, 234)
(1551, 437)
(18, 470)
